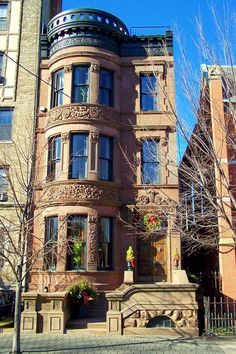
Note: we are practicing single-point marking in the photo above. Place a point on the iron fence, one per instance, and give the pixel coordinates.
(219, 316)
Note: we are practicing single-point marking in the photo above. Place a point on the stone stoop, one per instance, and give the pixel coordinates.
(90, 326)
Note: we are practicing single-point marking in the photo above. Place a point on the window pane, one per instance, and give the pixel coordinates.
(54, 158)
(106, 87)
(105, 158)
(57, 88)
(104, 170)
(150, 162)
(1, 64)
(81, 84)
(105, 244)
(149, 94)
(77, 237)
(81, 75)
(81, 94)
(5, 124)
(79, 168)
(79, 156)
(3, 181)
(3, 17)
(150, 173)
(50, 257)
(150, 151)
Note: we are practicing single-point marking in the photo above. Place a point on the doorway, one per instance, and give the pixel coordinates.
(151, 260)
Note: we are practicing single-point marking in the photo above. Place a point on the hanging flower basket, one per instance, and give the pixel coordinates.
(152, 222)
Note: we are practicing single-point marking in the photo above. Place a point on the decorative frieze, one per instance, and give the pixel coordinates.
(151, 198)
(75, 113)
(185, 318)
(81, 191)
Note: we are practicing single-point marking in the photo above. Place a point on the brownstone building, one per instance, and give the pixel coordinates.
(103, 107)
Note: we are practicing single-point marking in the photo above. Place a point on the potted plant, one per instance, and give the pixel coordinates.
(80, 295)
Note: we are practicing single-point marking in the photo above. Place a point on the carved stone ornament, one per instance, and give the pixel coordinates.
(68, 68)
(95, 68)
(185, 318)
(154, 198)
(94, 137)
(75, 112)
(92, 239)
(81, 191)
(65, 137)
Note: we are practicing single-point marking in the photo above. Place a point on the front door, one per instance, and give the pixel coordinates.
(151, 260)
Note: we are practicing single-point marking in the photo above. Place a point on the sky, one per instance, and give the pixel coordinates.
(181, 16)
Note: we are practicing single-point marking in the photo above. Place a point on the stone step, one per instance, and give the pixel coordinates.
(87, 323)
(86, 331)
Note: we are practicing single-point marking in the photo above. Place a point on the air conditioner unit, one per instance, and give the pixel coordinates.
(2, 80)
(3, 197)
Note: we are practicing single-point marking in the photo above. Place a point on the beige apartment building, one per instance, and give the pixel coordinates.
(20, 29)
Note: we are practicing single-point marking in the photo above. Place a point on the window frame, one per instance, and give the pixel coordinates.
(109, 247)
(75, 67)
(73, 158)
(5, 27)
(50, 245)
(54, 163)
(156, 163)
(108, 159)
(6, 109)
(4, 192)
(57, 92)
(153, 94)
(1, 66)
(70, 242)
(109, 90)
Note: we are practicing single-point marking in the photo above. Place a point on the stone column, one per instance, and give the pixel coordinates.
(94, 89)
(65, 156)
(92, 243)
(62, 243)
(67, 84)
(93, 157)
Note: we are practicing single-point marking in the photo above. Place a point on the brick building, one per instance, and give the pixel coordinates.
(103, 95)
(213, 147)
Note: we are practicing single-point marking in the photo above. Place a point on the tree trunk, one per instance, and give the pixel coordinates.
(17, 320)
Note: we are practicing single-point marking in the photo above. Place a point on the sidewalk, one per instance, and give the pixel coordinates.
(73, 344)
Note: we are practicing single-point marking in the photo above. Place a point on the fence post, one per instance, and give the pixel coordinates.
(206, 303)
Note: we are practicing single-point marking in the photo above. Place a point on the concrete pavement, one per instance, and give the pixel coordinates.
(73, 344)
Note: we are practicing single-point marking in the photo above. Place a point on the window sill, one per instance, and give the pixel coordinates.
(6, 142)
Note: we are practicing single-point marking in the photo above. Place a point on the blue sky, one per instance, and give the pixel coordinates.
(180, 16)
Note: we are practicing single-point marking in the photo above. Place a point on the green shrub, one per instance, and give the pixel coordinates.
(76, 290)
